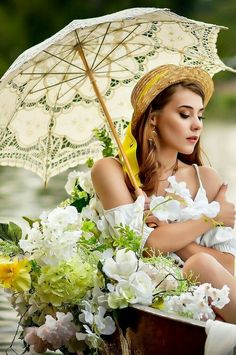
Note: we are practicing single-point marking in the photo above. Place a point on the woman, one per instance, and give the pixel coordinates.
(163, 141)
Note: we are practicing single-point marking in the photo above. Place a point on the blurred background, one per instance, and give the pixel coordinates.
(26, 23)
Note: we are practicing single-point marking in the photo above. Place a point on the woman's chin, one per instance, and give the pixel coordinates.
(186, 150)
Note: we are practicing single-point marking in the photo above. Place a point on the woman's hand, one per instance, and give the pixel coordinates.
(150, 219)
(227, 209)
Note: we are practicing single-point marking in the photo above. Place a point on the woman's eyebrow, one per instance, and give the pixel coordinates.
(190, 107)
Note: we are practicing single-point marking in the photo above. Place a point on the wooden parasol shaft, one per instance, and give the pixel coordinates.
(108, 117)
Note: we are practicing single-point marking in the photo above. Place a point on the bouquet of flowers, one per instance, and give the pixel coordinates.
(68, 273)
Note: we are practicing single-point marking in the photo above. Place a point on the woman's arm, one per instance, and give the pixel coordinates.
(173, 237)
(212, 182)
(110, 186)
(109, 183)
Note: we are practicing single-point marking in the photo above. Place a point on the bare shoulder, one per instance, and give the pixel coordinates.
(211, 181)
(109, 183)
(106, 167)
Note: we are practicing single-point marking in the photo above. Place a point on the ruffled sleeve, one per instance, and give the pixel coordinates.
(129, 215)
(220, 238)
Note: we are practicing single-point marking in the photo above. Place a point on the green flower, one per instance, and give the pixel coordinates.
(67, 282)
(8, 248)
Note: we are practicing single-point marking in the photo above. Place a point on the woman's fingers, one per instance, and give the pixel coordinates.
(153, 221)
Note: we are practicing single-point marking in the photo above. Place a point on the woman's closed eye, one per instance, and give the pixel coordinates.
(185, 115)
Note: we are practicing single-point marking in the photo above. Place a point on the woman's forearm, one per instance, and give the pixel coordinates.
(225, 259)
(175, 236)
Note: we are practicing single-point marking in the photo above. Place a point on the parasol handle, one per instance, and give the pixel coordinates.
(138, 191)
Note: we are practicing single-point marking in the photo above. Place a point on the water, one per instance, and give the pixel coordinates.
(22, 193)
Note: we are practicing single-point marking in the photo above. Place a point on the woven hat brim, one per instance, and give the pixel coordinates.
(158, 79)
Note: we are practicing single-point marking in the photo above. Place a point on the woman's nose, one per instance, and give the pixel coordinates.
(196, 124)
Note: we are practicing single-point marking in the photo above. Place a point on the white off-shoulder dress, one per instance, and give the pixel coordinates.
(220, 238)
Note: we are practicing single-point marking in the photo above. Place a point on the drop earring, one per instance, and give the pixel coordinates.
(154, 132)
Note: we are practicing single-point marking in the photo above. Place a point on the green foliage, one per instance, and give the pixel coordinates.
(172, 270)
(79, 198)
(90, 238)
(90, 162)
(30, 221)
(8, 248)
(103, 136)
(10, 232)
(35, 272)
(222, 106)
(127, 239)
(90, 227)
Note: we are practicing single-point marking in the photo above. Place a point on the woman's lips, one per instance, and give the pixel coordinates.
(192, 139)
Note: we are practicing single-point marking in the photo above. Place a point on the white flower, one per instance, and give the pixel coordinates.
(86, 316)
(99, 297)
(102, 224)
(220, 297)
(197, 302)
(56, 239)
(105, 325)
(162, 276)
(165, 210)
(61, 217)
(71, 181)
(142, 286)
(122, 267)
(57, 331)
(107, 254)
(200, 208)
(89, 337)
(85, 181)
(179, 188)
(29, 242)
(89, 213)
(138, 289)
(121, 295)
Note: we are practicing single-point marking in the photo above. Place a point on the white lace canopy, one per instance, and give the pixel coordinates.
(48, 108)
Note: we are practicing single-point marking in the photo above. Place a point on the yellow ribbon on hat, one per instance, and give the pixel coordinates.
(130, 148)
(150, 84)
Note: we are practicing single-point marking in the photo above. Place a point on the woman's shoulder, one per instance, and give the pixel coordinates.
(209, 178)
(211, 181)
(109, 183)
(105, 165)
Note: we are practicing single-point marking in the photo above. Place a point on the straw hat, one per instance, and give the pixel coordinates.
(158, 79)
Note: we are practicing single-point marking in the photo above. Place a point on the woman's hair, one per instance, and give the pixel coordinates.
(147, 142)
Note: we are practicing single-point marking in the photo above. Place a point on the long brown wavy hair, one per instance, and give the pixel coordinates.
(147, 142)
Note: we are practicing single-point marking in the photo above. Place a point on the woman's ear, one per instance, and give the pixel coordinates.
(153, 119)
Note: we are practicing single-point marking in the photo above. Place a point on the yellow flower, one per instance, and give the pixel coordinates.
(15, 274)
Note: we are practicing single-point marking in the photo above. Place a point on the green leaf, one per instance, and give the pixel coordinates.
(103, 136)
(89, 162)
(10, 232)
(15, 232)
(30, 221)
(4, 231)
(127, 239)
(79, 204)
(9, 248)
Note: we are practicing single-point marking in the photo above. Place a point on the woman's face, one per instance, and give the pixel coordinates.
(179, 122)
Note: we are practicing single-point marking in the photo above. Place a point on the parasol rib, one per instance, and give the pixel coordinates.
(108, 117)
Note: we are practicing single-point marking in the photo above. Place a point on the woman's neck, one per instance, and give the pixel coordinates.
(167, 160)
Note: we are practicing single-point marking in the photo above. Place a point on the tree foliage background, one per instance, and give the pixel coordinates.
(24, 23)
